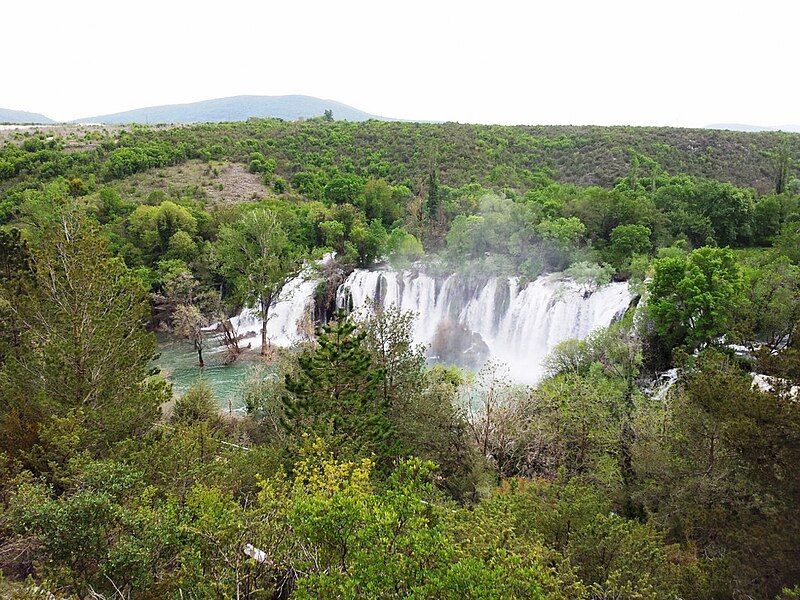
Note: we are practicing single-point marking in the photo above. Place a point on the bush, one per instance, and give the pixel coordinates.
(197, 404)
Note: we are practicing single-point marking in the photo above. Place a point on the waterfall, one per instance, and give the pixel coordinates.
(519, 324)
(290, 317)
(659, 388)
(459, 319)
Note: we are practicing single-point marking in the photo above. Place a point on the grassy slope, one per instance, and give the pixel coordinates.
(219, 183)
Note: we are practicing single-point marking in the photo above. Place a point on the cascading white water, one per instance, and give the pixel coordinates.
(289, 318)
(519, 324)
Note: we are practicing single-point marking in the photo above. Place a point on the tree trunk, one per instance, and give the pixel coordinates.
(200, 355)
(264, 315)
(230, 340)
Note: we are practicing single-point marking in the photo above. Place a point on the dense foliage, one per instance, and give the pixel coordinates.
(359, 470)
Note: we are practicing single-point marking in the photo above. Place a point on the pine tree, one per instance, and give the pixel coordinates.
(633, 172)
(783, 163)
(433, 194)
(337, 394)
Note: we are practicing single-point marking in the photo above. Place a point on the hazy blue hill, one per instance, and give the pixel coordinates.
(235, 108)
(754, 128)
(20, 116)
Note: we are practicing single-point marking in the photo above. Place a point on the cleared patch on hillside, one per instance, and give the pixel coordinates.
(214, 183)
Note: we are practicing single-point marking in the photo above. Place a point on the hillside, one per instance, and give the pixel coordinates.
(235, 108)
(490, 155)
(21, 116)
(494, 155)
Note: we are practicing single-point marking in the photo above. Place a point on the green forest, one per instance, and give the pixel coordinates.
(659, 459)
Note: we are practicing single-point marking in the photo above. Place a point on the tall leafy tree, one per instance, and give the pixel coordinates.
(433, 204)
(345, 189)
(84, 352)
(350, 539)
(693, 297)
(257, 256)
(188, 323)
(155, 226)
(627, 240)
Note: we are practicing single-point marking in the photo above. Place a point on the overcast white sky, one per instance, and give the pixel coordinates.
(660, 62)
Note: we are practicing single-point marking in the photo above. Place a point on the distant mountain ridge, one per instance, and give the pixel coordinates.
(235, 108)
(21, 116)
(241, 108)
(754, 128)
